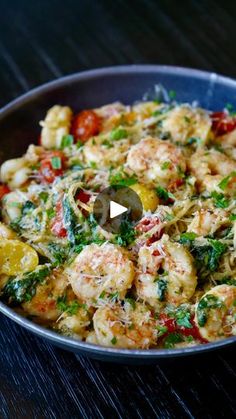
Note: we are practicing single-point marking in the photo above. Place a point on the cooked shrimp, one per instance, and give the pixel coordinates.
(99, 269)
(156, 162)
(15, 172)
(184, 123)
(44, 303)
(216, 313)
(55, 126)
(110, 115)
(105, 152)
(178, 281)
(12, 205)
(130, 326)
(205, 221)
(75, 324)
(210, 167)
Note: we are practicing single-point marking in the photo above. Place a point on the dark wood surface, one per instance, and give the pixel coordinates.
(44, 39)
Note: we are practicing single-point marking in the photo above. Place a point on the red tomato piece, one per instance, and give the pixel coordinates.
(222, 123)
(4, 190)
(47, 171)
(57, 225)
(172, 326)
(82, 196)
(147, 224)
(84, 125)
(193, 331)
(175, 184)
(168, 322)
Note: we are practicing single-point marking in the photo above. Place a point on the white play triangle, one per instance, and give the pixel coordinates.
(116, 209)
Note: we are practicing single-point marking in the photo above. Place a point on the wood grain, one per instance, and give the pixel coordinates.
(43, 40)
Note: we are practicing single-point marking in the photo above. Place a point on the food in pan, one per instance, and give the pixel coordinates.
(167, 281)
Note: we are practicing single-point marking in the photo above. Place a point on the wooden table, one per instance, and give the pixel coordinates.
(42, 40)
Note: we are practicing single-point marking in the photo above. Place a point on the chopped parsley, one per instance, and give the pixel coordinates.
(183, 316)
(114, 340)
(224, 183)
(172, 339)
(123, 179)
(43, 196)
(50, 213)
(131, 301)
(193, 140)
(163, 194)
(118, 134)
(219, 200)
(161, 288)
(207, 303)
(165, 165)
(126, 234)
(70, 307)
(27, 207)
(187, 238)
(56, 162)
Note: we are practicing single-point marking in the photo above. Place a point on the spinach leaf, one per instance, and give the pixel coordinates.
(126, 233)
(161, 288)
(70, 221)
(19, 290)
(208, 256)
(27, 207)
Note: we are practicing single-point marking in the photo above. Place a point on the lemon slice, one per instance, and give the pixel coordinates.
(16, 257)
(147, 196)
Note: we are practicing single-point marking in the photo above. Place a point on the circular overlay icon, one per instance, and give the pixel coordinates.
(116, 205)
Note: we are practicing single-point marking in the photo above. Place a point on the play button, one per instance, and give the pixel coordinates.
(116, 207)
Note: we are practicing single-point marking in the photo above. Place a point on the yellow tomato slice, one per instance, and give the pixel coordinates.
(16, 257)
(147, 196)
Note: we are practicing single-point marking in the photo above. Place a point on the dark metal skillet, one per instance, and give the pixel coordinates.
(19, 127)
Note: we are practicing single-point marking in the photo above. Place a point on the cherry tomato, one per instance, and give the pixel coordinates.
(172, 326)
(82, 196)
(84, 125)
(146, 224)
(57, 225)
(3, 190)
(193, 331)
(168, 322)
(47, 170)
(222, 123)
(175, 184)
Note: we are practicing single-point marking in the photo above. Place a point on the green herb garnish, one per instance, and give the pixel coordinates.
(172, 339)
(22, 289)
(219, 200)
(67, 141)
(114, 340)
(118, 134)
(207, 303)
(163, 194)
(161, 288)
(56, 163)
